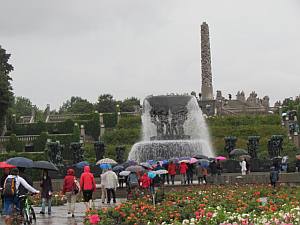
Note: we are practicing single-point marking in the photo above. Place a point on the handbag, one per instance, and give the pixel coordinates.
(76, 187)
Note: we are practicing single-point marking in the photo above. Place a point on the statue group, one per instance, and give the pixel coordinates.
(169, 126)
(253, 146)
(54, 152)
(78, 152)
(230, 143)
(275, 146)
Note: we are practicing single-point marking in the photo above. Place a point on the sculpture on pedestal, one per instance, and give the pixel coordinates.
(275, 146)
(120, 154)
(253, 146)
(99, 148)
(78, 152)
(230, 143)
(54, 152)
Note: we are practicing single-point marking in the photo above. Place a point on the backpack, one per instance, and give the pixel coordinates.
(133, 180)
(9, 188)
(76, 187)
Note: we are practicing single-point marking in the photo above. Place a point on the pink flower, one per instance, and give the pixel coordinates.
(94, 219)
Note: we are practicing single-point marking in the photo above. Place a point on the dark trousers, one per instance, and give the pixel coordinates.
(173, 179)
(111, 191)
(190, 178)
(168, 178)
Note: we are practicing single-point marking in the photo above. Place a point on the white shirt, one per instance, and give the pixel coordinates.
(20, 180)
(243, 165)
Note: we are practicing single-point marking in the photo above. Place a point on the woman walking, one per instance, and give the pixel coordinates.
(182, 169)
(70, 190)
(172, 171)
(46, 193)
(88, 186)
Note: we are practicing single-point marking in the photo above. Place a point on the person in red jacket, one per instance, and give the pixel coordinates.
(172, 171)
(145, 181)
(68, 190)
(88, 186)
(182, 169)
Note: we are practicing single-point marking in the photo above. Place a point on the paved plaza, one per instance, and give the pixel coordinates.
(59, 214)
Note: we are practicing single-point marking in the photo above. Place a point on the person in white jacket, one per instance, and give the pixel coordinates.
(103, 188)
(111, 184)
(243, 165)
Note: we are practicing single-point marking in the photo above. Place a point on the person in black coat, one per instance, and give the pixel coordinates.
(46, 192)
(189, 173)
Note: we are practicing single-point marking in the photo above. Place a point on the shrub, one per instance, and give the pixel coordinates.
(14, 144)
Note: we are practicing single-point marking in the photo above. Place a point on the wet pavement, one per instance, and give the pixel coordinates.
(59, 214)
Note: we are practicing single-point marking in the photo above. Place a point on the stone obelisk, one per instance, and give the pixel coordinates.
(207, 88)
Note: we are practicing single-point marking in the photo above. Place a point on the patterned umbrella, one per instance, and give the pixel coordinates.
(107, 161)
(124, 173)
(193, 160)
(135, 169)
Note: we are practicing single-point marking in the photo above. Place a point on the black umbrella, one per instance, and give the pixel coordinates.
(200, 157)
(45, 165)
(118, 168)
(20, 162)
(238, 152)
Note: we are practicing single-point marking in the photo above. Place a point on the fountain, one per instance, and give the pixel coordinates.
(173, 126)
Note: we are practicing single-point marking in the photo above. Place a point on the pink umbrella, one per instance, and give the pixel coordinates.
(193, 160)
(221, 158)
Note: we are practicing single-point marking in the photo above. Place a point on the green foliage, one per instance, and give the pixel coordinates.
(106, 103)
(22, 106)
(77, 105)
(243, 126)
(14, 144)
(130, 104)
(127, 122)
(92, 126)
(110, 120)
(40, 142)
(6, 94)
(122, 136)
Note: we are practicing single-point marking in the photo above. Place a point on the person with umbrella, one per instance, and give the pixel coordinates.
(243, 165)
(172, 171)
(145, 182)
(182, 169)
(102, 184)
(111, 184)
(46, 193)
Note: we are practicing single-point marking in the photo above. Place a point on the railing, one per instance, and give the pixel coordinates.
(29, 138)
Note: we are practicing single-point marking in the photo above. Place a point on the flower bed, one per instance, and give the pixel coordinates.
(224, 205)
(56, 200)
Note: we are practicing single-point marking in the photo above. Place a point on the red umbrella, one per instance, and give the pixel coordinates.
(4, 165)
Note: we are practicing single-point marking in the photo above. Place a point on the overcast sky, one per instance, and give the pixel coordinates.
(130, 48)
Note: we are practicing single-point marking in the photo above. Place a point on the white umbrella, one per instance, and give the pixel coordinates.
(160, 172)
(124, 173)
(106, 161)
(184, 161)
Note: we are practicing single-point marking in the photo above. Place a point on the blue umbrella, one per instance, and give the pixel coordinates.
(82, 164)
(165, 162)
(151, 162)
(20, 162)
(151, 175)
(105, 166)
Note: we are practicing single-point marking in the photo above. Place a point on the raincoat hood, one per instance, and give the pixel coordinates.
(70, 172)
(86, 169)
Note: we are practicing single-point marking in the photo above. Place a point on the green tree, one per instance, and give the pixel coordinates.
(106, 103)
(77, 105)
(6, 94)
(22, 106)
(130, 104)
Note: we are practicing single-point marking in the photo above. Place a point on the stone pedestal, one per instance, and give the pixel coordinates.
(296, 139)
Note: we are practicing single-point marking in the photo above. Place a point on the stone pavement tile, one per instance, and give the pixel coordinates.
(59, 214)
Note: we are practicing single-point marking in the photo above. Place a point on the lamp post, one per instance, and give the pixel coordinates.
(118, 113)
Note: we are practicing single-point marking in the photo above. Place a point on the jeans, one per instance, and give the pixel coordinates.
(71, 199)
(44, 200)
(190, 178)
(111, 191)
(9, 203)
